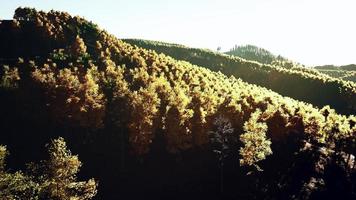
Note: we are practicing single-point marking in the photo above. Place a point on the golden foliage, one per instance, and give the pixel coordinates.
(256, 145)
(175, 98)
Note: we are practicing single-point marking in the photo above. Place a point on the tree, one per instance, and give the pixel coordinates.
(59, 180)
(9, 78)
(54, 178)
(221, 139)
(256, 146)
(16, 185)
(78, 47)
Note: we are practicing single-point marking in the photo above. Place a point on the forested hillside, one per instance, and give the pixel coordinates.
(149, 126)
(351, 67)
(300, 83)
(344, 72)
(253, 53)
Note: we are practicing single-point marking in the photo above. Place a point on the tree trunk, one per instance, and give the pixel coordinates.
(222, 178)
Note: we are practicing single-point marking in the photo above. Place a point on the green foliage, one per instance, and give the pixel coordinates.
(25, 13)
(59, 55)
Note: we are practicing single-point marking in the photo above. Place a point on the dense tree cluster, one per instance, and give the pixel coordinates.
(296, 82)
(87, 79)
(250, 52)
(347, 75)
(351, 67)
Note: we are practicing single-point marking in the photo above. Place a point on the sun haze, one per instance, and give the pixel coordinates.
(314, 32)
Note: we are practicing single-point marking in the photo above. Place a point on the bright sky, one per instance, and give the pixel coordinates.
(312, 32)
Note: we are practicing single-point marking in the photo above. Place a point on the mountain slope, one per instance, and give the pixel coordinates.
(114, 102)
(299, 83)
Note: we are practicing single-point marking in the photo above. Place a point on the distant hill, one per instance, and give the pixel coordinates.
(251, 52)
(351, 67)
(344, 72)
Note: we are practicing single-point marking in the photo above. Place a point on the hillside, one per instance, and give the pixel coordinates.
(298, 82)
(253, 53)
(344, 72)
(351, 67)
(149, 126)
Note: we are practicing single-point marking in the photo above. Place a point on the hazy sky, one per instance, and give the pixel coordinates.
(312, 32)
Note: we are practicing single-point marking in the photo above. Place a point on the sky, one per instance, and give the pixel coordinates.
(312, 32)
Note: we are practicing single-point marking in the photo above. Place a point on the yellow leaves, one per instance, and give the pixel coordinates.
(74, 96)
(181, 100)
(3, 154)
(147, 100)
(256, 145)
(192, 91)
(45, 76)
(144, 105)
(91, 92)
(269, 112)
(115, 76)
(93, 101)
(252, 123)
(98, 45)
(78, 47)
(140, 76)
(68, 79)
(62, 164)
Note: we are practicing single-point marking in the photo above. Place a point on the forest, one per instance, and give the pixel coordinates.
(300, 83)
(85, 115)
(344, 72)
